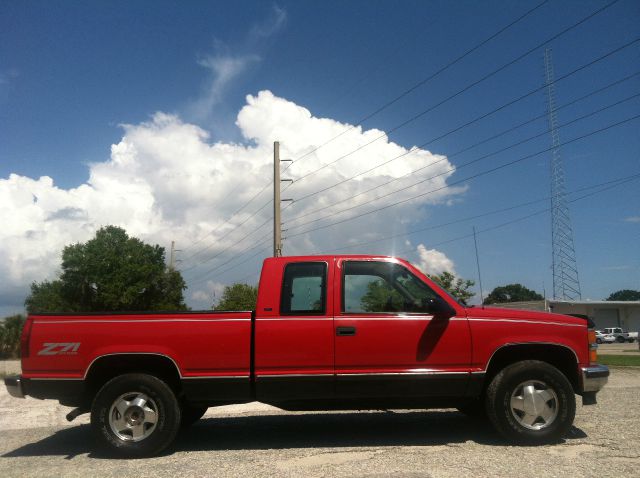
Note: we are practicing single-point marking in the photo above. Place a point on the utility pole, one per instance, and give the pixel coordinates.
(277, 201)
(172, 256)
(277, 224)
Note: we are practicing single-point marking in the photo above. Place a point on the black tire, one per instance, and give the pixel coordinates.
(598, 341)
(620, 339)
(538, 383)
(149, 410)
(191, 414)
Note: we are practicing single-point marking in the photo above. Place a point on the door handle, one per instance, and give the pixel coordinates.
(345, 331)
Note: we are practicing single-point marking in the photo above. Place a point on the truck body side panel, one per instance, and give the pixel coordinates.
(201, 345)
(401, 354)
(494, 328)
(294, 354)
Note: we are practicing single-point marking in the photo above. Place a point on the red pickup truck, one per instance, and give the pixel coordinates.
(328, 333)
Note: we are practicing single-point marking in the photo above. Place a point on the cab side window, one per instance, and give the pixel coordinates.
(379, 287)
(304, 289)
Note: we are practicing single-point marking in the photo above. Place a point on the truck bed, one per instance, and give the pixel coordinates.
(201, 344)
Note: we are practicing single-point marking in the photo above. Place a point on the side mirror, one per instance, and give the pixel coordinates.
(439, 308)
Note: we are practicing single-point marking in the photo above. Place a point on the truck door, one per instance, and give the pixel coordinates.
(294, 344)
(386, 344)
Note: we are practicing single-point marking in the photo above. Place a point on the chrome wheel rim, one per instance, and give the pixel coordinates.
(534, 405)
(133, 416)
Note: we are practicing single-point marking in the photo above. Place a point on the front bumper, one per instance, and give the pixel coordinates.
(14, 386)
(594, 378)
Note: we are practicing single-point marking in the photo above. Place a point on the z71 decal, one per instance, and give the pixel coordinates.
(59, 348)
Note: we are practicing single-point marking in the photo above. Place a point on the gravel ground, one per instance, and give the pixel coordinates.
(258, 440)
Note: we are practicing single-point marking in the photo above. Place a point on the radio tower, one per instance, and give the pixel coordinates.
(565, 270)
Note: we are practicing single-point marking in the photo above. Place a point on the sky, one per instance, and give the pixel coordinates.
(408, 123)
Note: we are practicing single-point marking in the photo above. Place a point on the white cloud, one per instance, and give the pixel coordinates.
(632, 219)
(228, 63)
(432, 261)
(208, 294)
(223, 69)
(166, 181)
(270, 26)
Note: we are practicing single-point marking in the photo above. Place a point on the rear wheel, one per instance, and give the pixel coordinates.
(620, 339)
(531, 402)
(135, 415)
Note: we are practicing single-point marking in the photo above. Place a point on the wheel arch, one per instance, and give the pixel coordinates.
(560, 356)
(105, 367)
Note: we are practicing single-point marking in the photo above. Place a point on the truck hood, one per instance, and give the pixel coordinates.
(502, 313)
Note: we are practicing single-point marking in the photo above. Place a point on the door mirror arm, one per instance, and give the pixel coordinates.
(438, 307)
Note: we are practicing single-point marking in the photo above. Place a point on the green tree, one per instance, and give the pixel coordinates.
(10, 331)
(456, 286)
(111, 272)
(238, 297)
(511, 293)
(47, 296)
(381, 297)
(625, 294)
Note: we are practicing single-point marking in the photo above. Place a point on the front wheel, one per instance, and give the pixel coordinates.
(135, 415)
(531, 402)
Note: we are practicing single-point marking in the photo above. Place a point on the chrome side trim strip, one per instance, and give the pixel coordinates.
(401, 373)
(426, 373)
(394, 318)
(205, 377)
(289, 375)
(132, 321)
(50, 379)
(523, 321)
(287, 318)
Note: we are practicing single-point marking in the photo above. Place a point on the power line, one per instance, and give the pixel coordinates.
(258, 252)
(222, 238)
(209, 271)
(614, 182)
(468, 163)
(602, 187)
(482, 173)
(519, 219)
(205, 276)
(465, 89)
(227, 221)
(426, 80)
(448, 157)
(483, 116)
(242, 239)
(228, 233)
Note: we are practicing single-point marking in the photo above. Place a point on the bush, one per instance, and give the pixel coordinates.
(10, 331)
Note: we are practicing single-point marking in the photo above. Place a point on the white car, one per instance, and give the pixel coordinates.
(602, 338)
(620, 335)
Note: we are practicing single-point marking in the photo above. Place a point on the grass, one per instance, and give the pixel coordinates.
(620, 360)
